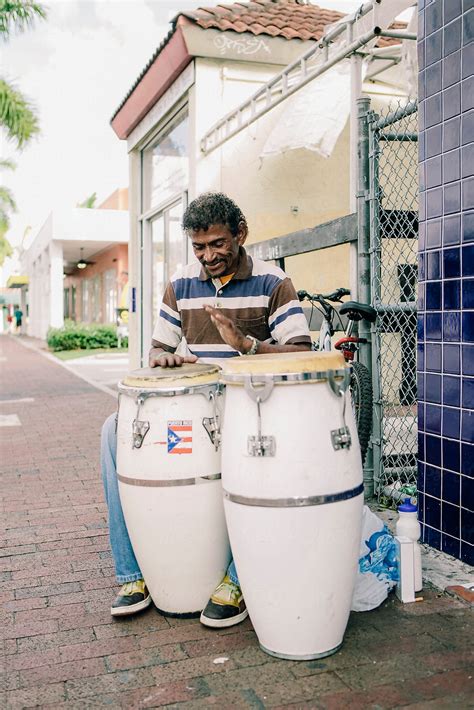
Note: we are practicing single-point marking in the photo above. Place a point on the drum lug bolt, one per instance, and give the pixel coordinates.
(139, 431)
(211, 425)
(139, 427)
(341, 438)
(260, 390)
(261, 445)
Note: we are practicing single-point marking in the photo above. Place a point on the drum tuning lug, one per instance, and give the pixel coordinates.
(211, 425)
(259, 388)
(139, 431)
(261, 445)
(339, 386)
(341, 438)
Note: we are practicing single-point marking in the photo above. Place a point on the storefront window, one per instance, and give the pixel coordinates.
(96, 310)
(158, 260)
(176, 240)
(110, 288)
(165, 165)
(66, 303)
(85, 301)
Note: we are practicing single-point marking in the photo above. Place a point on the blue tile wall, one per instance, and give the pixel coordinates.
(445, 349)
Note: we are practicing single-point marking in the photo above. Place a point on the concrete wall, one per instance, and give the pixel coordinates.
(268, 190)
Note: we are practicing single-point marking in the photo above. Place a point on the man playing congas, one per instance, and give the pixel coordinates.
(224, 305)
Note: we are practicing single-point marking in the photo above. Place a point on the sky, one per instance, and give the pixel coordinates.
(76, 67)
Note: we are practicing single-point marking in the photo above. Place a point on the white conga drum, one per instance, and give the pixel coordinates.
(169, 472)
(293, 497)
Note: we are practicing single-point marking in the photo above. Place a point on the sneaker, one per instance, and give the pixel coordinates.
(133, 597)
(226, 607)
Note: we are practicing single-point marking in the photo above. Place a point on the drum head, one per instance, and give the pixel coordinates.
(188, 375)
(283, 363)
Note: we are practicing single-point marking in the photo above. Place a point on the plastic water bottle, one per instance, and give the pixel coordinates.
(408, 526)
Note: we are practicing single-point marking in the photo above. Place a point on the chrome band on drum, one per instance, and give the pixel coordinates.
(295, 502)
(159, 483)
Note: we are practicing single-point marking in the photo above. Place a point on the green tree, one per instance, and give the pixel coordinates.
(89, 202)
(17, 115)
(7, 205)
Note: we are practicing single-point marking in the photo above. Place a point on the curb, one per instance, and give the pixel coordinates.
(51, 358)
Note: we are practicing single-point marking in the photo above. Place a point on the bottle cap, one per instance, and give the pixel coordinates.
(407, 507)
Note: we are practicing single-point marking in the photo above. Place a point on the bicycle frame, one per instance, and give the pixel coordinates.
(348, 344)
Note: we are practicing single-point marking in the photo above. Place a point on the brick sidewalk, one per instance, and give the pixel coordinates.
(61, 647)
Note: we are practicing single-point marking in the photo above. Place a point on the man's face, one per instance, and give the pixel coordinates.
(217, 249)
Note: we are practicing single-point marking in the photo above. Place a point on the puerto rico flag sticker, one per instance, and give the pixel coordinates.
(180, 437)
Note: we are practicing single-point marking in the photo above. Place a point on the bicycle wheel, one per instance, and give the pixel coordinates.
(362, 400)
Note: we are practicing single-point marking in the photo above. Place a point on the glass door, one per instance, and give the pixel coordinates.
(164, 251)
(158, 261)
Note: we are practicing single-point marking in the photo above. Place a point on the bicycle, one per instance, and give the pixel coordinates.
(361, 382)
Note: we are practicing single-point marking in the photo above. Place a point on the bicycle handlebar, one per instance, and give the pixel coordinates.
(335, 296)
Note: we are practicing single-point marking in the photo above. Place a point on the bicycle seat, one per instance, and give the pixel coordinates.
(358, 311)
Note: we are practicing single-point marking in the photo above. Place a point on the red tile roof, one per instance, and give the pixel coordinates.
(291, 19)
(279, 18)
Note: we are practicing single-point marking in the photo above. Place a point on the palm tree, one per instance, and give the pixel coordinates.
(7, 205)
(17, 116)
(19, 15)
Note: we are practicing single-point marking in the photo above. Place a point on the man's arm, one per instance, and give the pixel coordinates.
(167, 334)
(233, 336)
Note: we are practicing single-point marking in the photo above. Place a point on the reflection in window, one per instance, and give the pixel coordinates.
(158, 260)
(165, 165)
(85, 300)
(176, 241)
(96, 310)
(110, 288)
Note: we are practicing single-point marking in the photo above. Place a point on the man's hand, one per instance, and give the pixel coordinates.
(230, 334)
(161, 358)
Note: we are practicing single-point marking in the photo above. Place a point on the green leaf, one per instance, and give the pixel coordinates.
(19, 15)
(16, 114)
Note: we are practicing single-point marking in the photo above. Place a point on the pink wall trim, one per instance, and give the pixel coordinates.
(167, 66)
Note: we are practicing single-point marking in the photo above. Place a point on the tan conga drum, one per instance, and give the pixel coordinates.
(293, 495)
(169, 472)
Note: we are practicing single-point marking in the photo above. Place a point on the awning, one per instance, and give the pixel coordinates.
(17, 281)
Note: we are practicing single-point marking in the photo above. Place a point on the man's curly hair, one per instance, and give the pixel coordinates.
(212, 208)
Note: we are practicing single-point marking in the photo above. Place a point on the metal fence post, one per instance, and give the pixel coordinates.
(363, 222)
(375, 268)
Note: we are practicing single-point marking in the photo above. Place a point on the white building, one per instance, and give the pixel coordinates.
(212, 60)
(66, 237)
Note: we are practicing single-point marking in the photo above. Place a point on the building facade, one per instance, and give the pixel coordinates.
(209, 63)
(77, 266)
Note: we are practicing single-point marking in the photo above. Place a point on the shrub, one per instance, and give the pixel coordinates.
(82, 336)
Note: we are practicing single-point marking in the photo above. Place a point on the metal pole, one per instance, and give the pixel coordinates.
(356, 91)
(363, 223)
(376, 276)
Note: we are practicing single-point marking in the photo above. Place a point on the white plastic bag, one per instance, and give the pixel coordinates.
(378, 570)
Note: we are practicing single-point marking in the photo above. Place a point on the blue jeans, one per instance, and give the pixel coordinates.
(126, 565)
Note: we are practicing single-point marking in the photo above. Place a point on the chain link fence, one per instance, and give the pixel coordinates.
(393, 164)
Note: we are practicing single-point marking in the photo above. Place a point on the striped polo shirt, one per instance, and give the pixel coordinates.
(260, 299)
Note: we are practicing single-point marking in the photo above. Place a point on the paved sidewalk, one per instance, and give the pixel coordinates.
(60, 647)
